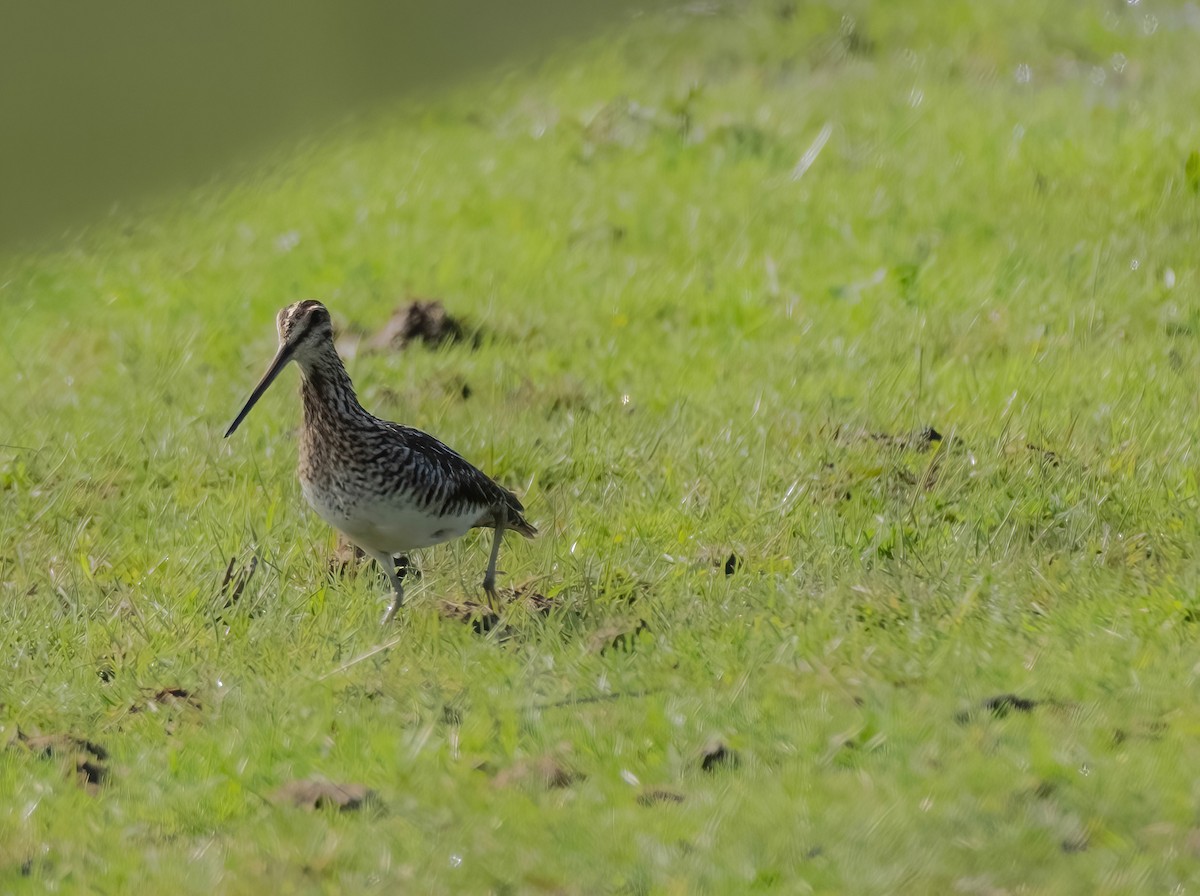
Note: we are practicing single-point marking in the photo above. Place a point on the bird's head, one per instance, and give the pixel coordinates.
(303, 327)
(305, 332)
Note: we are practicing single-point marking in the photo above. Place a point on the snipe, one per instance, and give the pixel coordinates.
(389, 488)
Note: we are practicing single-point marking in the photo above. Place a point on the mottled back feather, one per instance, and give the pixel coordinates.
(450, 483)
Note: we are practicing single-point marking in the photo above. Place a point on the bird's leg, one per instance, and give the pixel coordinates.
(389, 566)
(489, 577)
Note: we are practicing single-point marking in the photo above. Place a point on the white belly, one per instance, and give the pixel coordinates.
(393, 526)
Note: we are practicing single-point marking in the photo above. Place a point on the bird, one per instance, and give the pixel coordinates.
(387, 487)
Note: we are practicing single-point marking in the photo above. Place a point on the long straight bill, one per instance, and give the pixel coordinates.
(281, 358)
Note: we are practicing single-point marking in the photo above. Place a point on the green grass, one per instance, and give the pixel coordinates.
(686, 352)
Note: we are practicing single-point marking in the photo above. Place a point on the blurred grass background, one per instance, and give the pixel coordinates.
(108, 104)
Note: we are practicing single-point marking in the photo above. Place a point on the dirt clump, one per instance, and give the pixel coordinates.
(425, 321)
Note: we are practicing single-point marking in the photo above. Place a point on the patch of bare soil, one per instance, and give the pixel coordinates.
(318, 793)
(548, 772)
(84, 759)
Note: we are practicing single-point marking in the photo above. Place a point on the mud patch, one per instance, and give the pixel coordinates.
(84, 759)
(424, 321)
(317, 793)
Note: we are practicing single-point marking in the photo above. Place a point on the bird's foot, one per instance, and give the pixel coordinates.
(493, 599)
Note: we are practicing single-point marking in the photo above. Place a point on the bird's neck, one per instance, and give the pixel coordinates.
(327, 391)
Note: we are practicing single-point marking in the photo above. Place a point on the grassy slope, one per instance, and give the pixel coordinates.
(685, 346)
